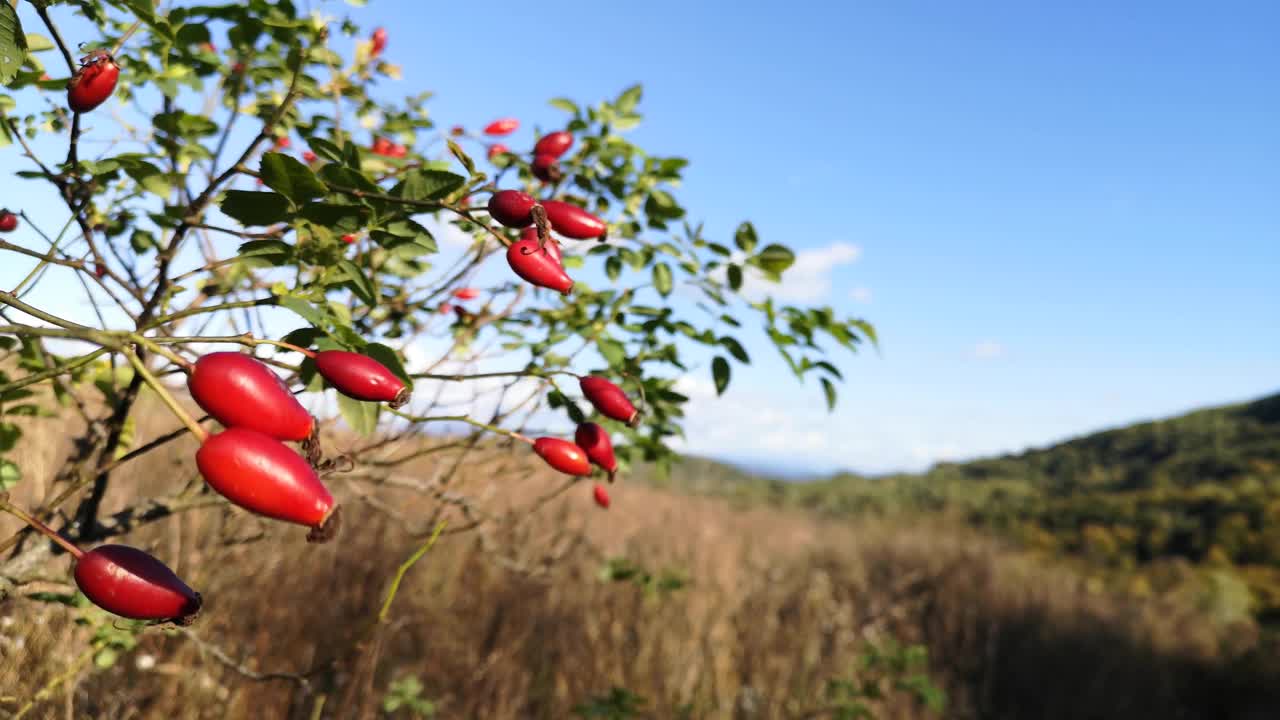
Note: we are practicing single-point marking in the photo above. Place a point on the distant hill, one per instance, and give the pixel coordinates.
(1202, 488)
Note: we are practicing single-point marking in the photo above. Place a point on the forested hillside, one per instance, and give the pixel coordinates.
(1200, 489)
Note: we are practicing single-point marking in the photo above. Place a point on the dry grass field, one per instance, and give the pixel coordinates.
(748, 614)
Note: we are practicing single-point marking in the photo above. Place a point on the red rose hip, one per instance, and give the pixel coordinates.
(496, 150)
(595, 442)
(130, 583)
(467, 293)
(93, 83)
(361, 377)
(554, 144)
(8, 221)
(379, 39)
(503, 126)
(262, 475)
(552, 247)
(240, 391)
(538, 265)
(609, 399)
(572, 221)
(512, 208)
(563, 455)
(601, 496)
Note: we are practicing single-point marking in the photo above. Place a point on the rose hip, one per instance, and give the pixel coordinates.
(562, 455)
(8, 221)
(262, 475)
(503, 126)
(595, 442)
(572, 221)
(609, 399)
(546, 168)
(554, 144)
(496, 150)
(552, 247)
(379, 39)
(130, 583)
(240, 391)
(512, 208)
(601, 496)
(93, 83)
(467, 293)
(361, 377)
(538, 265)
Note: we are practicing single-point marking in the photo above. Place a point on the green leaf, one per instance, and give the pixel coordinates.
(304, 310)
(734, 272)
(38, 43)
(13, 44)
(362, 417)
(9, 434)
(720, 373)
(629, 98)
(745, 237)
(288, 176)
(564, 104)
(338, 218)
(325, 149)
(10, 475)
(735, 349)
(360, 284)
(612, 350)
(390, 359)
(829, 389)
(613, 268)
(272, 252)
(774, 258)
(255, 208)
(420, 185)
(462, 157)
(662, 278)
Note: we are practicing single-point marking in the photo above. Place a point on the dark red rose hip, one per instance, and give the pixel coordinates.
(572, 221)
(609, 399)
(552, 247)
(512, 208)
(595, 442)
(539, 265)
(361, 377)
(239, 391)
(563, 455)
(545, 168)
(554, 144)
(93, 82)
(262, 475)
(8, 221)
(130, 583)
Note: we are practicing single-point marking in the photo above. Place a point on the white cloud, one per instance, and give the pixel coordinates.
(988, 350)
(809, 279)
(860, 294)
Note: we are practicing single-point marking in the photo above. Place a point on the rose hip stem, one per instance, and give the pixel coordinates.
(165, 396)
(31, 520)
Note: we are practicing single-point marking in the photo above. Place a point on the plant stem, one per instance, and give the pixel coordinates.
(200, 433)
(463, 419)
(52, 534)
(404, 568)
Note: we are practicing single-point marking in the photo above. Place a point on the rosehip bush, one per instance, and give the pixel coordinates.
(246, 223)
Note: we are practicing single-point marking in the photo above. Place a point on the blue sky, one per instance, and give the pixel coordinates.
(1059, 219)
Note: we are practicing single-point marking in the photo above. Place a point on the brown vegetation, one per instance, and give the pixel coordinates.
(513, 620)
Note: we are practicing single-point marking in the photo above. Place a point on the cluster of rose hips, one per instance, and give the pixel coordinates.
(249, 462)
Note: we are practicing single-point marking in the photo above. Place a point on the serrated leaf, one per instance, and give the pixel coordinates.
(325, 149)
(13, 44)
(255, 208)
(339, 218)
(361, 417)
(288, 176)
(829, 389)
(745, 237)
(420, 185)
(774, 259)
(662, 279)
(720, 373)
